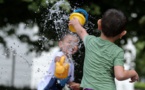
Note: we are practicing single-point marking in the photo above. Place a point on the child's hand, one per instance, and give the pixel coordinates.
(134, 78)
(75, 86)
(74, 22)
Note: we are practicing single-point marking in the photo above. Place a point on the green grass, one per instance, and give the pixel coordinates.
(140, 86)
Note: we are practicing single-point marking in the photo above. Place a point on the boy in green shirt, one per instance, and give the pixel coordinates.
(103, 59)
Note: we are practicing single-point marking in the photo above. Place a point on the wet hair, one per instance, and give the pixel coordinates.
(68, 33)
(113, 22)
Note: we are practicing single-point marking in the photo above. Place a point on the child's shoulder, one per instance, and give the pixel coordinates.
(116, 49)
(58, 53)
(90, 37)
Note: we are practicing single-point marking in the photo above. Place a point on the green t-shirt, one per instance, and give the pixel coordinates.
(100, 58)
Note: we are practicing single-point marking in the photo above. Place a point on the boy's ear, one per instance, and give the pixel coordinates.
(122, 34)
(99, 24)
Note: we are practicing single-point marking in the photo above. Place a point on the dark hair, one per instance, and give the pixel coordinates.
(113, 22)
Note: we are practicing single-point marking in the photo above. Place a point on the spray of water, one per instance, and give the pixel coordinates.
(56, 17)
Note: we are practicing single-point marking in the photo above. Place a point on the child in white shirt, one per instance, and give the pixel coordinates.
(68, 45)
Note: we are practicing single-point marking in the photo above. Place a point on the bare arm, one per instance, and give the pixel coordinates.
(78, 27)
(80, 31)
(122, 74)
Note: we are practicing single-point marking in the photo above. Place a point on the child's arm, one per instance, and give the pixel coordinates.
(122, 74)
(78, 27)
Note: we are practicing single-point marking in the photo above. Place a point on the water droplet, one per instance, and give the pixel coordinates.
(38, 70)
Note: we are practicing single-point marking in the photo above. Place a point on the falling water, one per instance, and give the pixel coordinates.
(57, 16)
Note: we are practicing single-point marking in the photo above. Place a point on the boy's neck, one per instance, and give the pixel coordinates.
(111, 39)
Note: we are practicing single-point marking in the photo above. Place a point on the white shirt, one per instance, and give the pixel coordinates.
(51, 71)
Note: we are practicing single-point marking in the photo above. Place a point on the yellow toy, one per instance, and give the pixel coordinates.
(81, 15)
(61, 68)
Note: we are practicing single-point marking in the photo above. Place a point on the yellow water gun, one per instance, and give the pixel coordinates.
(61, 68)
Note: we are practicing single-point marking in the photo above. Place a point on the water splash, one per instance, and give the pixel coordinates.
(56, 17)
(56, 8)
